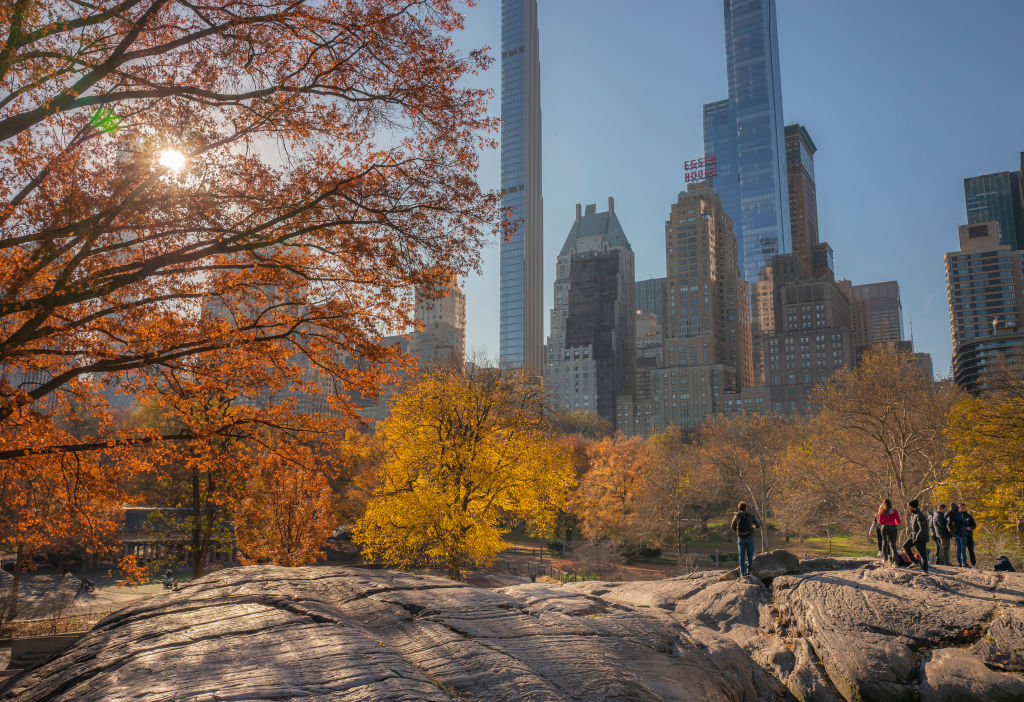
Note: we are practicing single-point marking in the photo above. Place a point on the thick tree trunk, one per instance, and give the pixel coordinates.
(12, 598)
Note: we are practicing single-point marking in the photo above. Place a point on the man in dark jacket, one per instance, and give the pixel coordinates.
(744, 523)
(917, 525)
(969, 525)
(957, 526)
(940, 532)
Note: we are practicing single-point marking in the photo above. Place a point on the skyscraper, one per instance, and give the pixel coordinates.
(443, 337)
(876, 313)
(649, 296)
(745, 134)
(998, 197)
(803, 197)
(985, 285)
(706, 322)
(590, 354)
(522, 266)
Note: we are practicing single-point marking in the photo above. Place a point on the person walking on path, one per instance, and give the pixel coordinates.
(970, 525)
(744, 523)
(889, 518)
(940, 533)
(876, 530)
(918, 526)
(957, 525)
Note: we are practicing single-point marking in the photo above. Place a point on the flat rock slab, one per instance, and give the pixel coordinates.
(335, 633)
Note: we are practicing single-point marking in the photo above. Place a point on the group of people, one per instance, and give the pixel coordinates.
(947, 524)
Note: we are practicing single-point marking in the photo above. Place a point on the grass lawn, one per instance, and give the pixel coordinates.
(855, 546)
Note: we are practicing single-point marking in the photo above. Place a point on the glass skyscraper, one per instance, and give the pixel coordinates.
(522, 272)
(746, 135)
(998, 197)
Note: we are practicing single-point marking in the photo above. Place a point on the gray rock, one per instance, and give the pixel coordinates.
(773, 564)
(956, 675)
(817, 565)
(351, 634)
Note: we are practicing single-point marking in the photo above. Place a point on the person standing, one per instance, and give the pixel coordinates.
(876, 530)
(969, 525)
(889, 518)
(940, 532)
(918, 526)
(957, 525)
(744, 523)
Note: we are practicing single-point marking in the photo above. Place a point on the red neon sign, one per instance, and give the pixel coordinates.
(699, 169)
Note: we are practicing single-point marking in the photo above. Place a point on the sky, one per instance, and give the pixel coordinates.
(903, 100)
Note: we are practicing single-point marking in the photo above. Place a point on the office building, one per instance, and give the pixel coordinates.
(591, 353)
(705, 324)
(985, 287)
(999, 198)
(522, 266)
(649, 296)
(803, 198)
(811, 338)
(745, 134)
(876, 313)
(442, 340)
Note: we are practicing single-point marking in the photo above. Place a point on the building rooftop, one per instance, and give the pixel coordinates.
(593, 223)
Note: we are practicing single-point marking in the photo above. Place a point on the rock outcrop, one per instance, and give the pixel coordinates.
(867, 633)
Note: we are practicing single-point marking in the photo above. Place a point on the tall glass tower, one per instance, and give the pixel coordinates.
(746, 135)
(522, 267)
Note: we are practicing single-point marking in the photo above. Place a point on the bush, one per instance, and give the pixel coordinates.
(649, 552)
(556, 546)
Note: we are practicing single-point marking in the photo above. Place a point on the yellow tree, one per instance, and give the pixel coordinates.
(464, 456)
(986, 436)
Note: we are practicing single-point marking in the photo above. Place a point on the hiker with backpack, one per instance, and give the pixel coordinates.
(744, 523)
(918, 540)
(889, 518)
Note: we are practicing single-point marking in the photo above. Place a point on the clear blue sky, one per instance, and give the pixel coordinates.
(903, 100)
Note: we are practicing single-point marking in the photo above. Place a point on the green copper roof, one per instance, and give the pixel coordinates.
(593, 223)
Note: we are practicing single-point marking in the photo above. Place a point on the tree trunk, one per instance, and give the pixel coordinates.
(197, 568)
(12, 599)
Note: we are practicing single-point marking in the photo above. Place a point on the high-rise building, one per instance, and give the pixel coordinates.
(745, 135)
(522, 266)
(705, 324)
(443, 337)
(876, 313)
(810, 338)
(803, 198)
(591, 352)
(650, 295)
(985, 287)
(998, 197)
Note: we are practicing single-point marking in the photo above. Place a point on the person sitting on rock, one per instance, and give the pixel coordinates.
(918, 526)
(940, 532)
(889, 518)
(744, 524)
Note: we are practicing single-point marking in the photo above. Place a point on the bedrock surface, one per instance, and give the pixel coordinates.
(865, 632)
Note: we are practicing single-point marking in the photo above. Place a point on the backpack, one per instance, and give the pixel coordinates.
(744, 525)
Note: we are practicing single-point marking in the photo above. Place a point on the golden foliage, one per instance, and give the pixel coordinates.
(463, 456)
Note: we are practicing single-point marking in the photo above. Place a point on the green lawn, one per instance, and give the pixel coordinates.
(855, 546)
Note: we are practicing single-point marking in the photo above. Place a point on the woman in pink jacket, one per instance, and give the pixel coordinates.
(889, 518)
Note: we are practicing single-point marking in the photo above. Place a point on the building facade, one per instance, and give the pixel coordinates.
(706, 347)
(522, 266)
(811, 339)
(650, 295)
(803, 197)
(876, 313)
(746, 136)
(442, 340)
(985, 289)
(998, 197)
(591, 352)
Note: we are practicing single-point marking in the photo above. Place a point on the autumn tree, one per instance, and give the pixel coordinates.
(266, 178)
(986, 436)
(886, 421)
(465, 456)
(746, 452)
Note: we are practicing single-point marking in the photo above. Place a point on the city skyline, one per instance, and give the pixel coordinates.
(888, 131)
